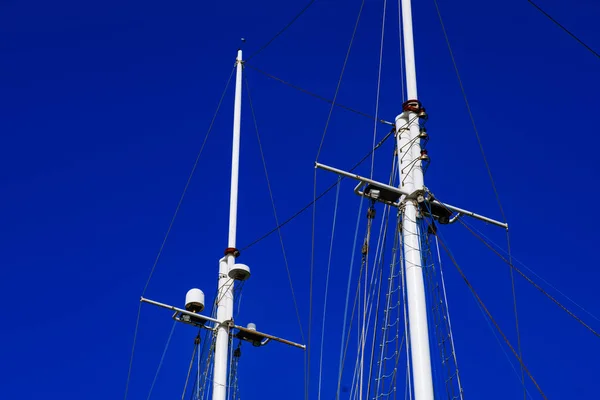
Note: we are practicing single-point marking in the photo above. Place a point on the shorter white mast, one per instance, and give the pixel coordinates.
(224, 327)
(225, 292)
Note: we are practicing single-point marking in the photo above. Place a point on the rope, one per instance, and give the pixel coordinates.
(401, 47)
(561, 26)
(493, 183)
(514, 295)
(317, 96)
(534, 273)
(378, 85)
(462, 274)
(387, 312)
(335, 210)
(437, 246)
(538, 287)
(491, 327)
(344, 327)
(377, 267)
(405, 315)
(362, 340)
(187, 378)
(312, 257)
(347, 339)
(379, 260)
(285, 28)
(323, 193)
(380, 255)
(470, 112)
(164, 241)
(339, 83)
(285, 259)
(162, 358)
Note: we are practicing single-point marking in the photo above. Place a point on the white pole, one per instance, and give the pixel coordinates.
(411, 175)
(225, 293)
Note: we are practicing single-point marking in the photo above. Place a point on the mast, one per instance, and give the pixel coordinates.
(411, 180)
(224, 327)
(225, 292)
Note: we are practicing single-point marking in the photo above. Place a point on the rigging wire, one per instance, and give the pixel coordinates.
(317, 96)
(187, 378)
(285, 28)
(335, 211)
(344, 327)
(314, 215)
(401, 47)
(533, 272)
(492, 181)
(378, 86)
(472, 289)
(367, 299)
(378, 266)
(171, 223)
(561, 26)
(531, 281)
(323, 193)
(285, 259)
(387, 313)
(162, 359)
(491, 327)
(437, 246)
(409, 391)
(469, 110)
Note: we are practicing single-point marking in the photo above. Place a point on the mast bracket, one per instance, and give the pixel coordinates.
(396, 197)
(252, 334)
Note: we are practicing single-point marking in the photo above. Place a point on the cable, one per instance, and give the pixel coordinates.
(175, 213)
(462, 274)
(378, 85)
(538, 287)
(342, 352)
(464, 94)
(285, 260)
(401, 48)
(335, 211)
(437, 246)
(162, 358)
(514, 295)
(339, 83)
(491, 177)
(285, 28)
(534, 273)
(561, 26)
(187, 378)
(317, 96)
(312, 256)
(307, 206)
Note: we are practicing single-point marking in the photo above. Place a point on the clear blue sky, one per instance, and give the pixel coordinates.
(103, 106)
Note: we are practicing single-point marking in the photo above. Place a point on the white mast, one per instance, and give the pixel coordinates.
(411, 175)
(225, 293)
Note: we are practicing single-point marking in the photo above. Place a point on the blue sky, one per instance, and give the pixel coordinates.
(104, 105)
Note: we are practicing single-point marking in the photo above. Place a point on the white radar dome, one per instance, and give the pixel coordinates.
(239, 272)
(194, 300)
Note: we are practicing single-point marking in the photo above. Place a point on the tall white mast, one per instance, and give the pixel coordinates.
(411, 175)
(225, 292)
